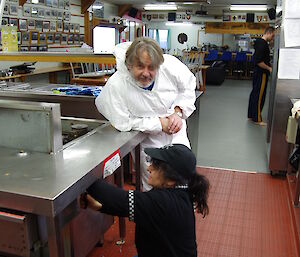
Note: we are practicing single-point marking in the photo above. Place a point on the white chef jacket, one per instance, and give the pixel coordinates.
(130, 107)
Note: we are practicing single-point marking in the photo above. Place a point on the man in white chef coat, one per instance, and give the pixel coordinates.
(151, 92)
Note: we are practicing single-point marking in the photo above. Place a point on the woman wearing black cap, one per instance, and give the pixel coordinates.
(164, 216)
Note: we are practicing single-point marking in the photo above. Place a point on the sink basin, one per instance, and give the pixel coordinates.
(74, 129)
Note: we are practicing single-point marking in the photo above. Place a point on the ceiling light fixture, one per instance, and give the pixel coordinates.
(250, 7)
(153, 7)
(179, 24)
(97, 7)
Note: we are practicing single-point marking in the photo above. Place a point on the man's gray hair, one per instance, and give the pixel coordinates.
(141, 44)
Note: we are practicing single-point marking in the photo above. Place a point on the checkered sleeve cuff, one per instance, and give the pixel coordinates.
(131, 204)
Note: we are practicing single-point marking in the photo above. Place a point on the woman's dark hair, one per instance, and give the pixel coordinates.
(198, 185)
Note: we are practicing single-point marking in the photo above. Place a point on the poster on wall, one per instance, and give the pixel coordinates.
(76, 28)
(50, 38)
(34, 37)
(31, 24)
(13, 22)
(64, 39)
(81, 38)
(48, 3)
(66, 27)
(4, 21)
(60, 4)
(52, 26)
(76, 39)
(22, 24)
(34, 12)
(46, 26)
(71, 27)
(47, 13)
(54, 3)
(13, 9)
(54, 14)
(41, 12)
(60, 15)
(19, 37)
(59, 26)
(27, 11)
(6, 8)
(71, 39)
(25, 37)
(57, 38)
(67, 4)
(39, 25)
(67, 16)
(42, 38)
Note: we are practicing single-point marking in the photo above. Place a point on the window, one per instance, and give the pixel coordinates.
(163, 38)
(152, 33)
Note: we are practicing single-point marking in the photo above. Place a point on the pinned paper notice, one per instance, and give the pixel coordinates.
(292, 9)
(292, 32)
(289, 64)
(111, 163)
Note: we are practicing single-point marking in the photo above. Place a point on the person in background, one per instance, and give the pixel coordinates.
(262, 69)
(150, 92)
(164, 216)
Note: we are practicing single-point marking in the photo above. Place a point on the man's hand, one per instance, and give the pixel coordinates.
(164, 124)
(175, 123)
(270, 70)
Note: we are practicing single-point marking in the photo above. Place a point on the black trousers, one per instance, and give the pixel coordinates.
(258, 94)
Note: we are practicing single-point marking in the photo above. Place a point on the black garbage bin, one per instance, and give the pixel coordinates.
(215, 75)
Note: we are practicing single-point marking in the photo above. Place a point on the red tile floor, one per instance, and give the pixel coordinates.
(249, 216)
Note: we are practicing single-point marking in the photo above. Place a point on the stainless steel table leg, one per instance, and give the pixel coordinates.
(54, 240)
(137, 152)
(120, 183)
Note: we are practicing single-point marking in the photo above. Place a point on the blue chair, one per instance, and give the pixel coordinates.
(240, 64)
(227, 59)
(211, 57)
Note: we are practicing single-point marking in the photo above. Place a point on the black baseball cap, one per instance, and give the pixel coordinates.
(178, 156)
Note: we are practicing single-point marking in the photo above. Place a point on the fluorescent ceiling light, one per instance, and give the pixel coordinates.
(152, 7)
(250, 7)
(179, 24)
(35, 1)
(97, 7)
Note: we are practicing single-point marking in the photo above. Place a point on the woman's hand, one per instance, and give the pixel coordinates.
(86, 201)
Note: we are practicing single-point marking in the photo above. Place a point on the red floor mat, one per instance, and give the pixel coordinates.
(249, 217)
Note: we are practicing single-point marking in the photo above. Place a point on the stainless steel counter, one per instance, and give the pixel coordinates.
(46, 185)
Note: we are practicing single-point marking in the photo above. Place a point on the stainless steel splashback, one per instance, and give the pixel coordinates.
(30, 126)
